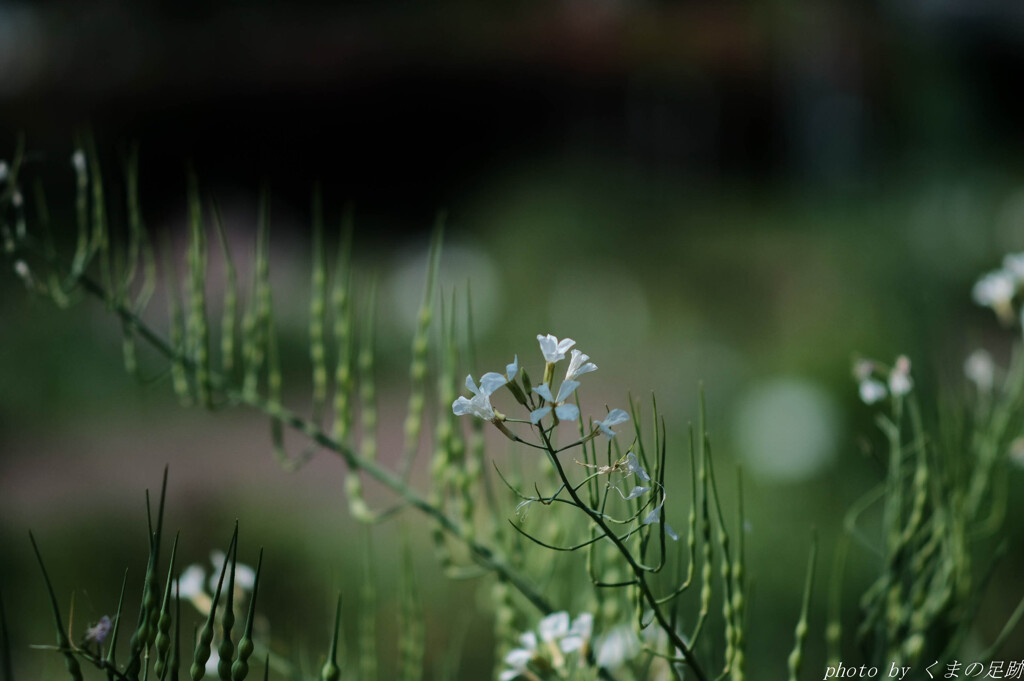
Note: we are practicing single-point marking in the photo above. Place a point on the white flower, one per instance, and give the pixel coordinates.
(872, 391)
(615, 416)
(78, 160)
(3, 171)
(579, 633)
(1014, 264)
(480, 404)
(980, 370)
(190, 583)
(578, 365)
(17, 199)
(554, 350)
(996, 290)
(97, 633)
(565, 412)
(518, 659)
(553, 627)
(619, 645)
(245, 576)
(863, 369)
(900, 382)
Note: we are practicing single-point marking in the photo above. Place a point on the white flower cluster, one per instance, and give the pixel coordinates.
(193, 582)
(553, 350)
(869, 374)
(998, 288)
(558, 637)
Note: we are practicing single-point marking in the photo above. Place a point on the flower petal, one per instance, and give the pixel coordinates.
(537, 414)
(633, 466)
(512, 369)
(615, 416)
(462, 406)
(567, 412)
(564, 345)
(471, 384)
(544, 391)
(491, 381)
(190, 583)
(567, 388)
(554, 626)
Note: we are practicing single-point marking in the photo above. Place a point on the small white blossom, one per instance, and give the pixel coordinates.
(190, 583)
(579, 633)
(615, 417)
(245, 576)
(518, 659)
(553, 349)
(553, 627)
(578, 365)
(21, 268)
(980, 370)
(618, 646)
(480, 404)
(213, 662)
(872, 391)
(634, 467)
(98, 632)
(900, 382)
(78, 160)
(996, 290)
(565, 412)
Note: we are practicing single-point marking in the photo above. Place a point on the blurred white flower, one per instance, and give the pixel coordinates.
(78, 160)
(98, 632)
(618, 646)
(553, 349)
(17, 199)
(191, 581)
(980, 369)
(579, 633)
(565, 412)
(245, 576)
(996, 290)
(900, 382)
(872, 391)
(3, 171)
(553, 627)
(518, 659)
(213, 662)
(863, 369)
(578, 365)
(614, 417)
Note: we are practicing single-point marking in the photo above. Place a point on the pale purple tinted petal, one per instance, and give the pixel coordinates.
(565, 344)
(670, 532)
(565, 390)
(544, 391)
(567, 412)
(471, 384)
(537, 414)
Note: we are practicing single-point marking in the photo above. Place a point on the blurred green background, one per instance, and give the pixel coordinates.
(745, 195)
